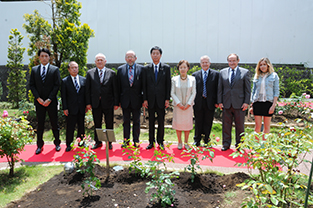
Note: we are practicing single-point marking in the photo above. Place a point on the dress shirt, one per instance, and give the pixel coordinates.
(77, 77)
(207, 74)
(103, 70)
(158, 67)
(41, 68)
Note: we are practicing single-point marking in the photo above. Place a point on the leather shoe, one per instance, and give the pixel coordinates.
(39, 150)
(225, 148)
(125, 144)
(97, 145)
(68, 149)
(150, 146)
(57, 148)
(110, 146)
(196, 144)
(161, 146)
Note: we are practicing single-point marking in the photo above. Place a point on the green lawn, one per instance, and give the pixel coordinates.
(25, 179)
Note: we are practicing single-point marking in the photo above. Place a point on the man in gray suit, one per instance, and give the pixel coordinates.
(233, 97)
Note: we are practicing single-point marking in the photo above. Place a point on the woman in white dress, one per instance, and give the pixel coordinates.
(183, 93)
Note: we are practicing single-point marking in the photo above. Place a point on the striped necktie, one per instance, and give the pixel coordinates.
(43, 74)
(204, 84)
(232, 78)
(131, 75)
(76, 84)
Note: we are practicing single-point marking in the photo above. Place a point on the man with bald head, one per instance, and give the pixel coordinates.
(73, 103)
(129, 81)
(101, 95)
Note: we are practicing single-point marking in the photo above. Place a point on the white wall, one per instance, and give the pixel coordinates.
(280, 30)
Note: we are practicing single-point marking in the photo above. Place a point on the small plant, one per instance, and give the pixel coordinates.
(134, 154)
(194, 153)
(160, 180)
(14, 134)
(277, 157)
(84, 161)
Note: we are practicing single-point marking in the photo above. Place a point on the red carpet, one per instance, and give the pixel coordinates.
(221, 159)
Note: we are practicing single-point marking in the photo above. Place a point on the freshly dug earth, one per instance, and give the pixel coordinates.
(124, 189)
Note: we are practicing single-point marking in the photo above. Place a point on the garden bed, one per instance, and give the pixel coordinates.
(124, 189)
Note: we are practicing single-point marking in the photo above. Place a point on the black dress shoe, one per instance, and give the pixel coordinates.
(161, 146)
(57, 148)
(68, 149)
(150, 146)
(125, 144)
(39, 150)
(110, 146)
(225, 148)
(97, 145)
(196, 144)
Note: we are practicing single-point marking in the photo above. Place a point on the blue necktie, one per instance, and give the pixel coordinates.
(156, 73)
(43, 75)
(76, 84)
(232, 78)
(131, 75)
(204, 84)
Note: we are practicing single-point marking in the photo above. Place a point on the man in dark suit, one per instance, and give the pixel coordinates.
(101, 95)
(44, 83)
(129, 79)
(157, 91)
(205, 100)
(73, 103)
(233, 97)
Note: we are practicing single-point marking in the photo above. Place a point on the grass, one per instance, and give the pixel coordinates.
(26, 178)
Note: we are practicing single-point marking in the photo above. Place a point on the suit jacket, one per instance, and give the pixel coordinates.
(72, 100)
(237, 94)
(130, 95)
(157, 92)
(211, 87)
(47, 89)
(107, 91)
(176, 91)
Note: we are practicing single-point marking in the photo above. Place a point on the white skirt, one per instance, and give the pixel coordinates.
(182, 119)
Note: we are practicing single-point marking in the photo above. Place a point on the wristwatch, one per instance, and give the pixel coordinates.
(48, 100)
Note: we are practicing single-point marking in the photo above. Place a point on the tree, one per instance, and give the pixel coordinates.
(66, 37)
(16, 79)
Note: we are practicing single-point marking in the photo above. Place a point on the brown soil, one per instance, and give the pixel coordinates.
(124, 189)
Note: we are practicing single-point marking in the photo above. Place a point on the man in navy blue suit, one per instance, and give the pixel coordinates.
(129, 81)
(157, 93)
(73, 103)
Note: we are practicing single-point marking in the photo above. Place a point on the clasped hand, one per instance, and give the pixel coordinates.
(183, 107)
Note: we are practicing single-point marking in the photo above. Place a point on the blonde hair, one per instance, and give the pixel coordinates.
(269, 65)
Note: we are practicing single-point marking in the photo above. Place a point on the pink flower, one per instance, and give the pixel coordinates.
(217, 139)
(27, 111)
(5, 114)
(307, 96)
(78, 140)
(304, 94)
(280, 112)
(24, 112)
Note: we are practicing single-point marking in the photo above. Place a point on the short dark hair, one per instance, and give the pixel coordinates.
(183, 61)
(44, 50)
(156, 48)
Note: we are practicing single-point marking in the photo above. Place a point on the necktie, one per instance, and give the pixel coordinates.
(101, 73)
(232, 78)
(76, 84)
(156, 73)
(43, 75)
(204, 84)
(131, 76)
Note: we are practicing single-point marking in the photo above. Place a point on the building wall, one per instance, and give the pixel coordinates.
(184, 29)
